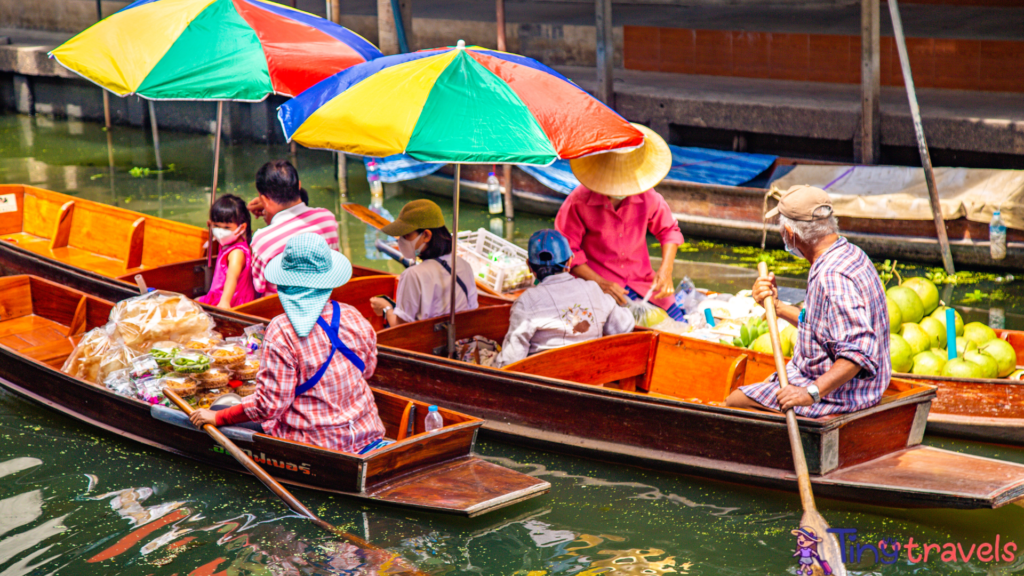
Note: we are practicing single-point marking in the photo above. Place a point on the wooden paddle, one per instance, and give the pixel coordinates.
(282, 493)
(828, 548)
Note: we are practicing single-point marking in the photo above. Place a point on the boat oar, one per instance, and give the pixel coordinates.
(828, 548)
(366, 215)
(280, 490)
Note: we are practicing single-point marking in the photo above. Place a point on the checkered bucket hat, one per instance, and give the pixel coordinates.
(309, 263)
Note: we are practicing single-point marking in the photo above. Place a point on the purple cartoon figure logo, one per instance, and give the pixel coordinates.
(807, 553)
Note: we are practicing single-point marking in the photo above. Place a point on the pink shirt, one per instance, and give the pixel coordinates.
(614, 242)
(244, 292)
(270, 241)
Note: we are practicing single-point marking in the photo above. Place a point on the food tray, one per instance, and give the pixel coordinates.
(213, 378)
(227, 356)
(248, 370)
(496, 262)
(190, 362)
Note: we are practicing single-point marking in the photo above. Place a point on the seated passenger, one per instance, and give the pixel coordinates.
(561, 309)
(424, 290)
(316, 358)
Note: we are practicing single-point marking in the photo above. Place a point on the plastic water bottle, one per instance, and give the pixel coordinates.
(433, 420)
(373, 176)
(687, 297)
(997, 237)
(371, 235)
(494, 200)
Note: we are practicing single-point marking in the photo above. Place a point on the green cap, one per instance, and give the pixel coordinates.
(416, 215)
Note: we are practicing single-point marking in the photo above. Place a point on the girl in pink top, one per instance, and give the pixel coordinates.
(232, 278)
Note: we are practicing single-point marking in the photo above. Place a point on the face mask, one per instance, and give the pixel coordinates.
(226, 237)
(790, 248)
(408, 247)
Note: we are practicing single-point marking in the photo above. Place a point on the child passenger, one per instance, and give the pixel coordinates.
(232, 278)
(561, 309)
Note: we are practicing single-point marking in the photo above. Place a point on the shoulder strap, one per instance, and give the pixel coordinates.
(336, 346)
(457, 279)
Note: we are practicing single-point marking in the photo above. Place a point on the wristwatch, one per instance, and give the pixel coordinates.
(813, 391)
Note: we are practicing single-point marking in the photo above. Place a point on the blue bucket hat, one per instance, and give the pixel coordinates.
(309, 263)
(548, 247)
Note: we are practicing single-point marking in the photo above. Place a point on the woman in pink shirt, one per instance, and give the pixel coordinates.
(606, 220)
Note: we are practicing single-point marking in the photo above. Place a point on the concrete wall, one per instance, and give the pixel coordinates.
(55, 15)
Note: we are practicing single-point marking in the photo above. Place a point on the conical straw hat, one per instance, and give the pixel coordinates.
(626, 173)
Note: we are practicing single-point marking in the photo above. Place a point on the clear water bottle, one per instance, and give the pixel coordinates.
(433, 420)
(371, 235)
(494, 200)
(997, 237)
(373, 176)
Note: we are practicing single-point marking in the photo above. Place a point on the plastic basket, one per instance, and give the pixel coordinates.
(496, 262)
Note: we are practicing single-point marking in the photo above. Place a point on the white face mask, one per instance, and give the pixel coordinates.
(790, 248)
(408, 247)
(225, 237)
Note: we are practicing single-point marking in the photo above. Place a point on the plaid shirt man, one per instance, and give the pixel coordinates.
(847, 318)
(339, 412)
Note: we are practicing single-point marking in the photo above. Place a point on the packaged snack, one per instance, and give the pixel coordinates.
(151, 390)
(213, 378)
(164, 352)
(248, 370)
(116, 358)
(246, 389)
(227, 356)
(253, 336)
(120, 383)
(180, 384)
(84, 362)
(191, 362)
(204, 342)
(143, 367)
(158, 316)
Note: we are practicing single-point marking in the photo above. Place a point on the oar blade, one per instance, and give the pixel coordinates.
(366, 215)
(828, 548)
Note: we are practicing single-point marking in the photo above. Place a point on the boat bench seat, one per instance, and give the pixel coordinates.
(624, 361)
(104, 265)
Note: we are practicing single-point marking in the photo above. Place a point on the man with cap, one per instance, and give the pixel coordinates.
(315, 359)
(424, 290)
(561, 309)
(841, 356)
(607, 217)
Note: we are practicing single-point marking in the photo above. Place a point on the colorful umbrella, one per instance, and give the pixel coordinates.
(457, 105)
(241, 50)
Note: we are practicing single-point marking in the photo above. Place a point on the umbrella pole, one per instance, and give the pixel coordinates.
(213, 193)
(455, 243)
(156, 135)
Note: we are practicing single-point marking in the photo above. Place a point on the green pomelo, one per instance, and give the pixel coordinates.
(788, 338)
(936, 331)
(928, 363)
(895, 316)
(911, 307)
(927, 291)
(989, 368)
(940, 315)
(763, 344)
(963, 345)
(941, 352)
(960, 368)
(1016, 375)
(1003, 353)
(917, 338)
(979, 333)
(900, 353)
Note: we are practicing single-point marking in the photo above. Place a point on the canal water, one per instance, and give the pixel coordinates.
(75, 500)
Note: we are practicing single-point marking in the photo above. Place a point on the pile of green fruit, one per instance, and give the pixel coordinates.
(918, 339)
(754, 336)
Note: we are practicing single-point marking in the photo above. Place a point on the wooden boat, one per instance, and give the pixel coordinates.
(41, 321)
(654, 400)
(735, 213)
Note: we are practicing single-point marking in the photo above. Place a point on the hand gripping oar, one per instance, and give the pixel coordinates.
(394, 562)
(828, 548)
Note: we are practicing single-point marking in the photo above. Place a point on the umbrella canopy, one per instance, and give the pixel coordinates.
(241, 50)
(457, 105)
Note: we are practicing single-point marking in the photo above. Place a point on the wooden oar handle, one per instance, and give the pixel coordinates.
(773, 330)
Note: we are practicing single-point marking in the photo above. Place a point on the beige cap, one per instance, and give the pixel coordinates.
(416, 215)
(800, 202)
(626, 173)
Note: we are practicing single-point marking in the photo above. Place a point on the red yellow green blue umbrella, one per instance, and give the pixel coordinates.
(241, 50)
(456, 105)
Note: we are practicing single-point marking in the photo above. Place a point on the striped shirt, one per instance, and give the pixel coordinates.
(846, 318)
(339, 412)
(269, 242)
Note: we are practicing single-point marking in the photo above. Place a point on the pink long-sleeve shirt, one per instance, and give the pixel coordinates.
(614, 242)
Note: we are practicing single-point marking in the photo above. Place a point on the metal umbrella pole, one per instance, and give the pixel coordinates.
(455, 278)
(156, 135)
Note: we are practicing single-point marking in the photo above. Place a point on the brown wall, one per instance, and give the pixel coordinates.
(987, 65)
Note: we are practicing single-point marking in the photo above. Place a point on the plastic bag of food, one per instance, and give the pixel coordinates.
(144, 367)
(477, 350)
(158, 316)
(227, 356)
(84, 361)
(253, 336)
(190, 362)
(120, 383)
(646, 314)
(118, 357)
(152, 390)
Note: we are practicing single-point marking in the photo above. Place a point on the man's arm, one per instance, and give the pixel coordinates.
(765, 287)
(840, 373)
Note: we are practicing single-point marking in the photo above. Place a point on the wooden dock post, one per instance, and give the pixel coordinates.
(870, 75)
(507, 168)
(922, 144)
(605, 53)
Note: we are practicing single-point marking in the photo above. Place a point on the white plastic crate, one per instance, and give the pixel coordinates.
(497, 262)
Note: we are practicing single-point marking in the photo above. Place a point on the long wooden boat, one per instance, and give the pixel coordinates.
(41, 322)
(735, 213)
(655, 400)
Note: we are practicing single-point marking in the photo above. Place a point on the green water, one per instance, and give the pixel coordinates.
(70, 493)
